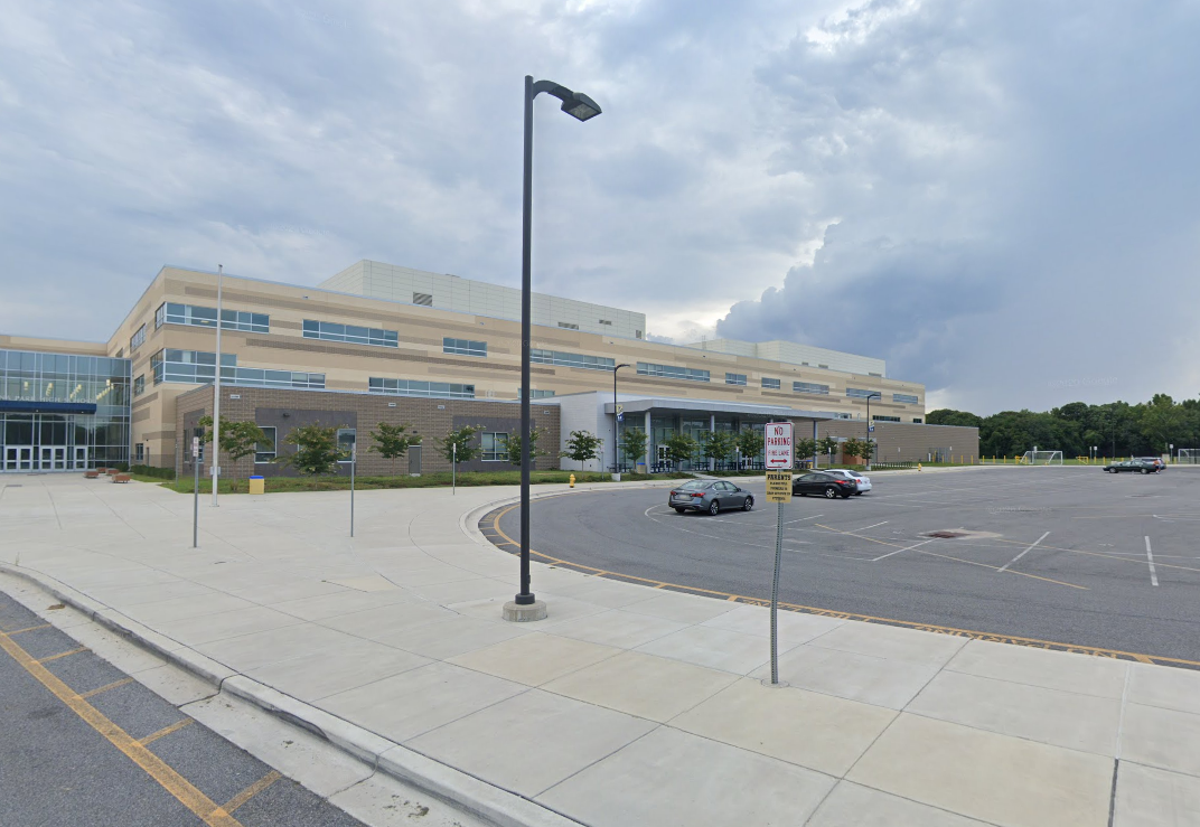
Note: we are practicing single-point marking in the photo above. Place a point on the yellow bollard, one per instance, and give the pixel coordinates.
(572, 480)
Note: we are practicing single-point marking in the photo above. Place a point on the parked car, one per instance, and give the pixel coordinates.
(1138, 465)
(709, 496)
(862, 482)
(1159, 465)
(825, 484)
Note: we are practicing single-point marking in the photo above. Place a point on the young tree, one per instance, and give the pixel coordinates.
(719, 445)
(316, 452)
(582, 446)
(238, 439)
(514, 447)
(634, 448)
(391, 442)
(749, 443)
(460, 445)
(852, 447)
(828, 445)
(805, 448)
(679, 447)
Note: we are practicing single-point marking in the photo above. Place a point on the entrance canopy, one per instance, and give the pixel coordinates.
(667, 404)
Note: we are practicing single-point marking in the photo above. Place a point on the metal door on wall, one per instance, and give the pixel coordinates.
(414, 460)
(18, 458)
(54, 458)
(81, 458)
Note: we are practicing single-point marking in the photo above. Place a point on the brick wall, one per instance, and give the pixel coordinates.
(287, 409)
(899, 441)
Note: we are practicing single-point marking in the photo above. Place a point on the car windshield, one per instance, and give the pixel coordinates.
(694, 485)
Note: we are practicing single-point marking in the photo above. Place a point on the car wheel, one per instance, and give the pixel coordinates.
(749, 504)
(1145, 470)
(858, 493)
(831, 493)
(714, 509)
(679, 510)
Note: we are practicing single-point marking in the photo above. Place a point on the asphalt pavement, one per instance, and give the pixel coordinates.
(84, 744)
(1064, 555)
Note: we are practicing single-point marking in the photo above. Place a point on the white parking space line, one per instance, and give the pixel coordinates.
(802, 519)
(864, 528)
(1150, 560)
(1004, 568)
(897, 551)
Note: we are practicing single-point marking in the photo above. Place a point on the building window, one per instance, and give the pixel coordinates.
(537, 394)
(906, 398)
(568, 326)
(735, 379)
(139, 385)
(885, 418)
(137, 339)
(810, 387)
(346, 438)
(351, 334)
(265, 450)
(570, 360)
(198, 368)
(880, 375)
(672, 372)
(607, 322)
(423, 299)
(464, 347)
(860, 393)
(412, 387)
(770, 384)
(918, 420)
(263, 378)
(139, 452)
(495, 447)
(823, 366)
(197, 316)
(637, 334)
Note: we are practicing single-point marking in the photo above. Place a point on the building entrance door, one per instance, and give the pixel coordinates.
(54, 458)
(81, 459)
(18, 458)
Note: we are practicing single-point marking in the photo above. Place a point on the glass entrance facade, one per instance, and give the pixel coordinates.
(60, 412)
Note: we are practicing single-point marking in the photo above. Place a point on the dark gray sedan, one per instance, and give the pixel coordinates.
(709, 496)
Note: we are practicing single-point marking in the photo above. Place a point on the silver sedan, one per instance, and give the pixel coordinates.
(709, 496)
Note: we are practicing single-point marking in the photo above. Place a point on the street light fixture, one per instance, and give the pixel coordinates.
(524, 606)
(616, 416)
(870, 427)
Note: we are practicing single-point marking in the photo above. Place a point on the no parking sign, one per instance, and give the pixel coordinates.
(778, 444)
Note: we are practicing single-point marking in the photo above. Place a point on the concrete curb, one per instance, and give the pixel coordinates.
(485, 801)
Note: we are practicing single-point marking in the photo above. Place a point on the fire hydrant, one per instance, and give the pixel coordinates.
(918, 466)
(572, 480)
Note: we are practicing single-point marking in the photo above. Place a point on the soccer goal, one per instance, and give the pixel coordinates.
(1042, 458)
(1188, 456)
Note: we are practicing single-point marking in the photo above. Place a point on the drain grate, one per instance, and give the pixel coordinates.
(946, 535)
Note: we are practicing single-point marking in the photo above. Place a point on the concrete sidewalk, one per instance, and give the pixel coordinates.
(628, 705)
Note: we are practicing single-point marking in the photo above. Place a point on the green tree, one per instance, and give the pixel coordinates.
(634, 447)
(459, 445)
(828, 445)
(805, 448)
(238, 439)
(316, 451)
(948, 416)
(1162, 422)
(392, 442)
(749, 443)
(583, 446)
(719, 445)
(514, 448)
(680, 447)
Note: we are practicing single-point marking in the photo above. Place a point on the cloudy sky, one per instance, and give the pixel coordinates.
(1001, 199)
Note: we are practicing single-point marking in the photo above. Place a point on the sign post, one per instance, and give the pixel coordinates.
(778, 450)
(353, 465)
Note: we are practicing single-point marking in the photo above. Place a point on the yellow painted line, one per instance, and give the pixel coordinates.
(113, 685)
(165, 731)
(78, 651)
(29, 629)
(1036, 643)
(251, 791)
(170, 780)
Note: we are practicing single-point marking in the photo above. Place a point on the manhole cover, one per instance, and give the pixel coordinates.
(946, 535)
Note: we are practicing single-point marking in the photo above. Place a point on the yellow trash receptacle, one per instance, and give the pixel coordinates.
(257, 485)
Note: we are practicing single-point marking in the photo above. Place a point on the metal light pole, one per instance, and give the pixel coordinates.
(616, 416)
(577, 106)
(870, 426)
(216, 463)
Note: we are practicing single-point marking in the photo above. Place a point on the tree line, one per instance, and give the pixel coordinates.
(1116, 429)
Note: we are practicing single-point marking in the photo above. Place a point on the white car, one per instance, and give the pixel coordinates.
(862, 483)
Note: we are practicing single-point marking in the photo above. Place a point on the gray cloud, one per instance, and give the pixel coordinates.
(983, 195)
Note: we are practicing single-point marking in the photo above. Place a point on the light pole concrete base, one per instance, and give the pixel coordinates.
(524, 614)
(781, 685)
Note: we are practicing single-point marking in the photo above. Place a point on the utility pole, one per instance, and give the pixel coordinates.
(216, 463)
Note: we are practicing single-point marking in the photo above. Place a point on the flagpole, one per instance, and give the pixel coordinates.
(216, 455)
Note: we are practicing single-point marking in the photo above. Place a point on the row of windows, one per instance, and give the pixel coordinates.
(198, 316)
(860, 393)
(412, 387)
(336, 332)
(770, 384)
(570, 360)
(672, 372)
(463, 347)
(906, 398)
(137, 339)
(885, 418)
(810, 387)
(537, 394)
(735, 379)
(198, 367)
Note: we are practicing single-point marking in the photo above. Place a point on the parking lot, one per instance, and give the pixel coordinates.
(1056, 556)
